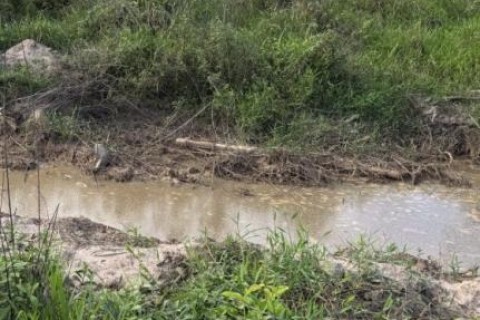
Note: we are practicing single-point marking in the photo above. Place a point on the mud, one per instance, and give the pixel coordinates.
(142, 148)
(99, 254)
(460, 293)
(184, 165)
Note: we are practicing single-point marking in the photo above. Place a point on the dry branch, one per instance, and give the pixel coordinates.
(185, 142)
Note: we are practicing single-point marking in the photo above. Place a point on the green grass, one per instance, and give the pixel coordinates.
(228, 280)
(273, 71)
(19, 83)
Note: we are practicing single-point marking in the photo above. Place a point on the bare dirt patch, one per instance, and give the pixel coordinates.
(104, 255)
(140, 153)
(419, 280)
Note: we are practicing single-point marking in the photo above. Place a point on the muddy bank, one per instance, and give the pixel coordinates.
(102, 254)
(147, 144)
(140, 138)
(113, 259)
(140, 154)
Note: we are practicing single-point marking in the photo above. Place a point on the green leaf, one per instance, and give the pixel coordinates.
(234, 296)
(388, 304)
(279, 291)
(254, 288)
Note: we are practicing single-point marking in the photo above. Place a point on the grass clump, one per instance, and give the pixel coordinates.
(290, 281)
(229, 280)
(18, 83)
(273, 72)
(15, 9)
(34, 284)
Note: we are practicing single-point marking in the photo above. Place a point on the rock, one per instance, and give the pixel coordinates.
(32, 55)
(101, 153)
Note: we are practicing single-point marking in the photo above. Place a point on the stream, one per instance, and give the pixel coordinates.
(430, 220)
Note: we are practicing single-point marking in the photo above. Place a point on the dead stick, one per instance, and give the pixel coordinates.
(212, 146)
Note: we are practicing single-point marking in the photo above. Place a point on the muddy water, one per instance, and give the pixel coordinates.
(437, 220)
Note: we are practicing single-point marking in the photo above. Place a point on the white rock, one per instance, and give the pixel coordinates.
(101, 153)
(31, 54)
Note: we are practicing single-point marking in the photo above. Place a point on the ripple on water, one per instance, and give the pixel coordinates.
(430, 217)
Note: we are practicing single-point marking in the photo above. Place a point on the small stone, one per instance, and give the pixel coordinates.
(175, 182)
(31, 54)
(101, 154)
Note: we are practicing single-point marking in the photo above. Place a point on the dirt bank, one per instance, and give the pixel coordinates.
(102, 254)
(111, 258)
(142, 141)
(141, 151)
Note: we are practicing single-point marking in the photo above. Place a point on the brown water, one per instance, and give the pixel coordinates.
(439, 221)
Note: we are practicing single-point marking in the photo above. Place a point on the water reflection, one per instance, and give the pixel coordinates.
(434, 219)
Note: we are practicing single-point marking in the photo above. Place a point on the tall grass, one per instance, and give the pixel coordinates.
(274, 71)
(288, 280)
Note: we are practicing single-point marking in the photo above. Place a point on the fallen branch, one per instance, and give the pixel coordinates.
(185, 142)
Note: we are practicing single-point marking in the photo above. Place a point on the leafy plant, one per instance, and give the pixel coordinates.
(257, 302)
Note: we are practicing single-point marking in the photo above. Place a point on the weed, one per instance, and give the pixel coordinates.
(277, 72)
(66, 127)
(298, 73)
(135, 239)
(233, 279)
(20, 82)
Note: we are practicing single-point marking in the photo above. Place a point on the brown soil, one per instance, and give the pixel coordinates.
(139, 150)
(83, 232)
(113, 258)
(418, 277)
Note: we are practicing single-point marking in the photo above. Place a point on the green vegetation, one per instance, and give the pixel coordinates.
(34, 285)
(18, 83)
(273, 71)
(229, 280)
